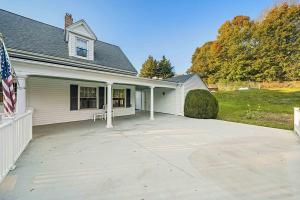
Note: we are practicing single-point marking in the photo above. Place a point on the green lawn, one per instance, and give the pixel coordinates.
(272, 108)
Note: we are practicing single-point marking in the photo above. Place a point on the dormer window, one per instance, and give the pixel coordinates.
(81, 47)
(80, 38)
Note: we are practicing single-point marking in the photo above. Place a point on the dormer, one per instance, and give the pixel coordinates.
(80, 38)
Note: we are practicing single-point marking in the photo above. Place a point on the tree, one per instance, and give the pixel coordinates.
(278, 53)
(262, 50)
(149, 68)
(235, 39)
(205, 61)
(160, 69)
(164, 68)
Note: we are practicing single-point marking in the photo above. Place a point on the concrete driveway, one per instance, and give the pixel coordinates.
(169, 158)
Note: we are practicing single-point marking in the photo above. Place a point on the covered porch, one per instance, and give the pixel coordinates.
(64, 94)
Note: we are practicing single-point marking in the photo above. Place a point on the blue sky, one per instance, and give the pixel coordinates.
(142, 28)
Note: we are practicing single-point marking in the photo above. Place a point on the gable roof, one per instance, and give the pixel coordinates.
(21, 33)
(83, 23)
(180, 78)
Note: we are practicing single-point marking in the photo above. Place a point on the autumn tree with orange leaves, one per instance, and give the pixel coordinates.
(246, 50)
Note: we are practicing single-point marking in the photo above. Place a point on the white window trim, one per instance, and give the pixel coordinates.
(87, 47)
(79, 97)
(124, 89)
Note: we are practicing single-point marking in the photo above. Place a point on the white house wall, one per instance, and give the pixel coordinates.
(138, 100)
(146, 101)
(193, 83)
(165, 101)
(50, 99)
(169, 102)
(71, 44)
(80, 29)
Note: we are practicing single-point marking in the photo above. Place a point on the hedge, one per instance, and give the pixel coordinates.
(201, 104)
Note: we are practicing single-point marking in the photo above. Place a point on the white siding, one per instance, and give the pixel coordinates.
(165, 100)
(180, 100)
(146, 101)
(82, 31)
(193, 83)
(91, 49)
(138, 100)
(50, 99)
(169, 102)
(71, 44)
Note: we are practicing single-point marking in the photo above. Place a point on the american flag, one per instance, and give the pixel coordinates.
(9, 97)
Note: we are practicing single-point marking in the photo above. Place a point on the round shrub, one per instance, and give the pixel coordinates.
(201, 104)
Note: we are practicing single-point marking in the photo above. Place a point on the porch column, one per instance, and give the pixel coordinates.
(109, 106)
(21, 95)
(152, 103)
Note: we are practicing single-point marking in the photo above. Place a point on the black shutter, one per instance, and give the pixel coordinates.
(101, 97)
(106, 95)
(73, 97)
(128, 98)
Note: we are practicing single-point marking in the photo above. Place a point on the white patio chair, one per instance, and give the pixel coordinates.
(100, 114)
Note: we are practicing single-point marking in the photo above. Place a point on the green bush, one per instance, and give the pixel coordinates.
(201, 104)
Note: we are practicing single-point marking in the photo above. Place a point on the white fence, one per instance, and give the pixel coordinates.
(15, 134)
(297, 120)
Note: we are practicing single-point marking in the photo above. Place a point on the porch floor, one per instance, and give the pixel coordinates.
(171, 157)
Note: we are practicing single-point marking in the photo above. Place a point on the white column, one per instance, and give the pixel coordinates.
(109, 106)
(21, 95)
(297, 120)
(152, 103)
(182, 100)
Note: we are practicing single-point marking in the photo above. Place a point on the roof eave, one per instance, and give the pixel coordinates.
(56, 60)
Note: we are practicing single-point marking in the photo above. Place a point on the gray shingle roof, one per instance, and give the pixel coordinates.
(25, 34)
(180, 78)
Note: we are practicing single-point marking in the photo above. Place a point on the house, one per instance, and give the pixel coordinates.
(68, 74)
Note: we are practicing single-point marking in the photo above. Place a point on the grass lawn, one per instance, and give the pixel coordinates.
(272, 108)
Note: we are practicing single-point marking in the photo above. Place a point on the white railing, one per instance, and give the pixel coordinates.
(15, 134)
(297, 120)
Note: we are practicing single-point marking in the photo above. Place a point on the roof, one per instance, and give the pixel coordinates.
(82, 22)
(180, 78)
(22, 33)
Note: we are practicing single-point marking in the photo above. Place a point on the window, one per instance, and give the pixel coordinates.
(88, 97)
(118, 98)
(1, 91)
(81, 47)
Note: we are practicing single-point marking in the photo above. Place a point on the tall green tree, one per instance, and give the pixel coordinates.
(278, 50)
(149, 68)
(165, 68)
(160, 69)
(205, 61)
(235, 39)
